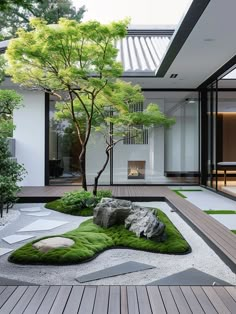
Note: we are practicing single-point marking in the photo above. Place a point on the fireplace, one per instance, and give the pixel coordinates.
(136, 169)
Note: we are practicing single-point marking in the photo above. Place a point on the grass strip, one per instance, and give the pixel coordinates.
(91, 239)
(178, 192)
(220, 212)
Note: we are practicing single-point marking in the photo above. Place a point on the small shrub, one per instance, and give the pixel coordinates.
(103, 193)
(78, 200)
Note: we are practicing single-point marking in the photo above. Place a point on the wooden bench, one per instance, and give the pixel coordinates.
(226, 165)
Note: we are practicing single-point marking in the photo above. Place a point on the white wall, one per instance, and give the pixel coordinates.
(30, 137)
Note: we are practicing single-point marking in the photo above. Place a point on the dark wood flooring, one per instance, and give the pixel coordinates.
(117, 299)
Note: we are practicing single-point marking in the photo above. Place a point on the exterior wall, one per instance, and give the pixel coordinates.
(30, 137)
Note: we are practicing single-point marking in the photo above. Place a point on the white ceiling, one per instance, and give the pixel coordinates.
(209, 46)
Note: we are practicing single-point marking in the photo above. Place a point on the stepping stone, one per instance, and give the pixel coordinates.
(4, 251)
(40, 214)
(189, 277)
(17, 238)
(43, 224)
(121, 269)
(13, 282)
(31, 209)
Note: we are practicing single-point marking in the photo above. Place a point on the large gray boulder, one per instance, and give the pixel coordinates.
(143, 222)
(111, 212)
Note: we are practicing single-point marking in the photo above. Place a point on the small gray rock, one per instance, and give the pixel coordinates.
(111, 212)
(46, 245)
(143, 222)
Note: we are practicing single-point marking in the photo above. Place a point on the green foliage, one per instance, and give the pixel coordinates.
(10, 174)
(234, 231)
(2, 67)
(16, 14)
(78, 203)
(90, 240)
(9, 101)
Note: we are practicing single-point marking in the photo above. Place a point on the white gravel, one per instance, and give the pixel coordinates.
(11, 216)
(202, 258)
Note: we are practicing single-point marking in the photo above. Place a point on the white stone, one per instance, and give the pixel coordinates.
(31, 209)
(40, 214)
(4, 251)
(17, 238)
(46, 245)
(43, 224)
(228, 220)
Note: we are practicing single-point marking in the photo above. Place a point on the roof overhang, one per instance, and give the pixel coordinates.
(201, 44)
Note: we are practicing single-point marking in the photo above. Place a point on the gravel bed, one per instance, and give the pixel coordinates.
(202, 258)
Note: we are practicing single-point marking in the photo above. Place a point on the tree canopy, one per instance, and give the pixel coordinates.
(77, 63)
(17, 13)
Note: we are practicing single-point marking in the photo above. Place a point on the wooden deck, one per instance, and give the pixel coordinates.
(117, 299)
(220, 238)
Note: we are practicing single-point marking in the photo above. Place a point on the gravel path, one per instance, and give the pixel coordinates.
(202, 257)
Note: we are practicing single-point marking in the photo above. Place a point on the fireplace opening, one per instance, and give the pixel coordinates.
(136, 169)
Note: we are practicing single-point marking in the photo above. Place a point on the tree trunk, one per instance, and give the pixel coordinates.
(1, 209)
(82, 160)
(95, 186)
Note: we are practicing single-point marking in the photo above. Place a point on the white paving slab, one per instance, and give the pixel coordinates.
(228, 220)
(30, 209)
(43, 224)
(39, 214)
(17, 238)
(207, 200)
(4, 251)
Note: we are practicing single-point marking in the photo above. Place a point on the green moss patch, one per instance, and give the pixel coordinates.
(218, 212)
(57, 205)
(234, 231)
(90, 240)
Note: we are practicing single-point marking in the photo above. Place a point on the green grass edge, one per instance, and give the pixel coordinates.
(57, 206)
(91, 240)
(218, 212)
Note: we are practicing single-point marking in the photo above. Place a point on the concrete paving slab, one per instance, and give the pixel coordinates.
(121, 269)
(12, 282)
(228, 220)
(39, 214)
(30, 209)
(4, 251)
(17, 238)
(189, 277)
(43, 224)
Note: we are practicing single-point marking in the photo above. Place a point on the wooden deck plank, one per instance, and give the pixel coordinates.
(203, 300)
(132, 300)
(74, 300)
(168, 300)
(101, 300)
(192, 300)
(180, 300)
(12, 300)
(155, 299)
(6, 294)
(25, 300)
(114, 300)
(61, 300)
(216, 300)
(2, 288)
(232, 292)
(226, 298)
(143, 301)
(86, 306)
(37, 299)
(123, 301)
(48, 301)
